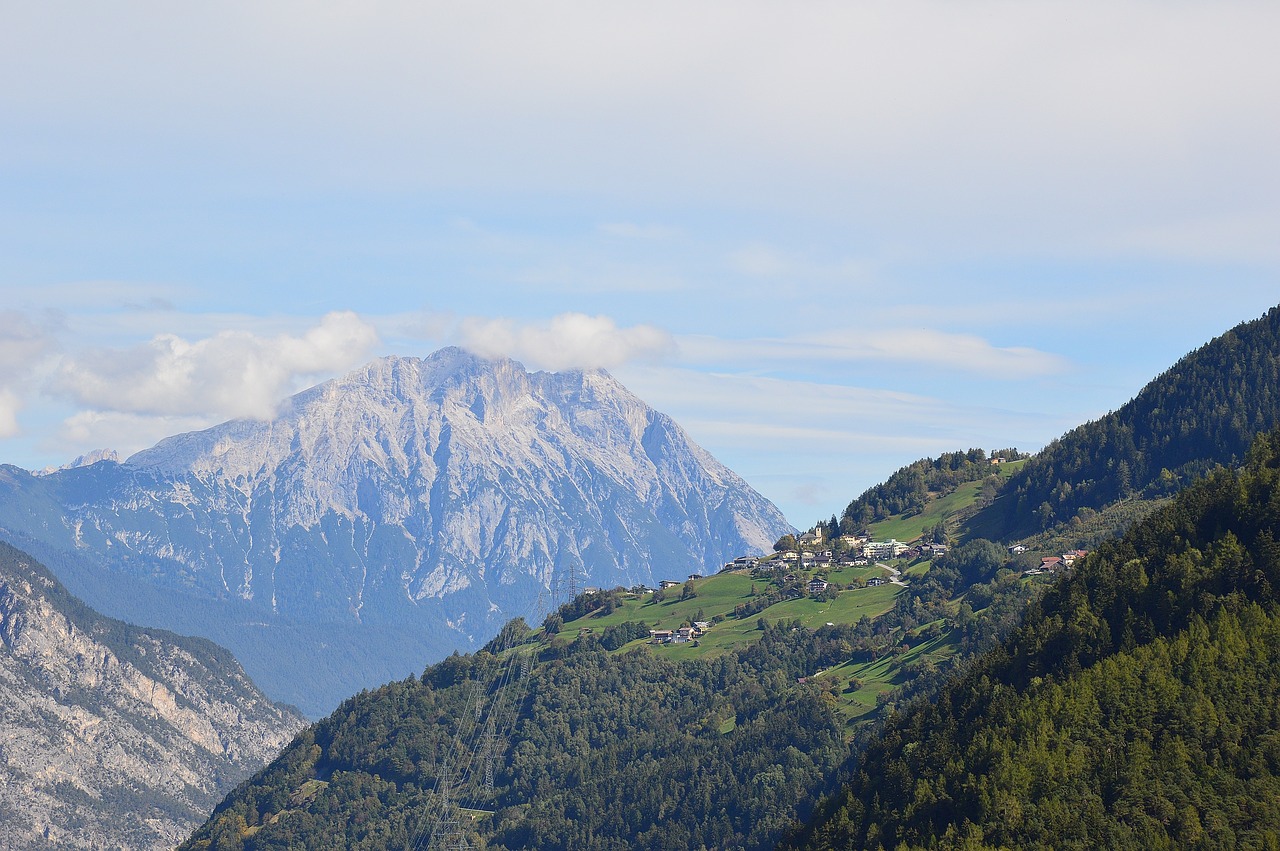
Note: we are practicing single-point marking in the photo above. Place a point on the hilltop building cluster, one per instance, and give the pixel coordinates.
(847, 551)
(683, 635)
(1053, 564)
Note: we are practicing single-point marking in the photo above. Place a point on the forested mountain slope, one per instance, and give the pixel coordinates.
(607, 752)
(1137, 706)
(723, 750)
(113, 736)
(1204, 411)
(602, 738)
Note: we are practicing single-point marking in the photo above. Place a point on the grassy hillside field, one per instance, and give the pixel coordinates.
(949, 507)
(716, 597)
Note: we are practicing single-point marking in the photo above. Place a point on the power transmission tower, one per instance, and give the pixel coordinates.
(573, 580)
(489, 750)
(447, 834)
(479, 696)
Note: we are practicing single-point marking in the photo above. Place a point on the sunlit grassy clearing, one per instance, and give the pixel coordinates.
(909, 527)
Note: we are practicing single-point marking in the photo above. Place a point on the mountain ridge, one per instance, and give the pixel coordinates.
(440, 495)
(1204, 410)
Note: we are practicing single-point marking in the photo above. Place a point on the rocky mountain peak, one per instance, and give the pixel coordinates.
(85, 460)
(453, 490)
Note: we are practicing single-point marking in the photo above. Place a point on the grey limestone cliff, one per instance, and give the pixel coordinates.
(113, 736)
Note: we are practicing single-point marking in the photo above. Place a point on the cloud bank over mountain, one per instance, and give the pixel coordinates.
(231, 374)
(567, 341)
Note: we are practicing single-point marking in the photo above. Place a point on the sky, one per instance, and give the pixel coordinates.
(829, 238)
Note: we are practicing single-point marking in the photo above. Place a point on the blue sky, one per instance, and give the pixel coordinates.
(828, 238)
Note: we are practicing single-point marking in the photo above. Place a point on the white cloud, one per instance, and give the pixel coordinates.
(971, 114)
(964, 352)
(10, 404)
(99, 295)
(748, 398)
(23, 348)
(21, 343)
(231, 374)
(792, 278)
(591, 275)
(760, 261)
(920, 346)
(798, 441)
(824, 421)
(124, 432)
(568, 341)
(1246, 235)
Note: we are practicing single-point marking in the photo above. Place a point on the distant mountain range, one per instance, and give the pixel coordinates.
(387, 517)
(112, 736)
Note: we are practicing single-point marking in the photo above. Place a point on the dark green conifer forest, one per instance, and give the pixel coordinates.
(907, 490)
(609, 751)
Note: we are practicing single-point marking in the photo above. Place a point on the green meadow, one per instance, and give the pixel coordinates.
(717, 596)
(908, 527)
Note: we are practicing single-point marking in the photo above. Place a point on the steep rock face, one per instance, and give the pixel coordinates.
(486, 474)
(113, 736)
(442, 495)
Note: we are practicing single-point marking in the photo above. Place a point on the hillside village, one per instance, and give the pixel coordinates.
(816, 569)
(801, 573)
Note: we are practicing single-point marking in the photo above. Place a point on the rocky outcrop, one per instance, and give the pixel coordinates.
(112, 736)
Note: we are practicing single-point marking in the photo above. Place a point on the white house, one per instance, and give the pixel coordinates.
(885, 549)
